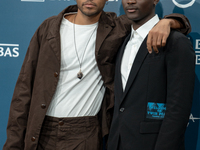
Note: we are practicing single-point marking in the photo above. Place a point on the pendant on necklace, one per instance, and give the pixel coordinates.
(80, 74)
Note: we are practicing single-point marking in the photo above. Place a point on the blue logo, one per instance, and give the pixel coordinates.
(156, 110)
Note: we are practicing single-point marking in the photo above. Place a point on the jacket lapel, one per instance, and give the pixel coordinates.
(104, 28)
(139, 59)
(118, 80)
(53, 38)
(53, 35)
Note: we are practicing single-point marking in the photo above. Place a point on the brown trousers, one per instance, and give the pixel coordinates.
(74, 133)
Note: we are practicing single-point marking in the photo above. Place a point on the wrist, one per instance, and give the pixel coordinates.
(174, 24)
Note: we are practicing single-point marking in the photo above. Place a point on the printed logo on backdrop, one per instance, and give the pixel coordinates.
(193, 119)
(9, 50)
(197, 51)
(178, 4)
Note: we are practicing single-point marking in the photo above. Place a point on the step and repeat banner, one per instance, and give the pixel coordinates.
(19, 19)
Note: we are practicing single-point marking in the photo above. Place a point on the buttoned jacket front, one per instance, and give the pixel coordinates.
(164, 80)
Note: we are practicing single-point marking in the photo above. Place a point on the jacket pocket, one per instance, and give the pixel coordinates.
(150, 127)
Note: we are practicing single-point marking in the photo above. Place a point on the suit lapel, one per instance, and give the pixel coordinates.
(118, 80)
(139, 59)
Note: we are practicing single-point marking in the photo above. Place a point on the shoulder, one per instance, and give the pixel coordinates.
(111, 15)
(123, 22)
(122, 17)
(47, 22)
(176, 38)
(178, 43)
(174, 34)
(55, 21)
(50, 25)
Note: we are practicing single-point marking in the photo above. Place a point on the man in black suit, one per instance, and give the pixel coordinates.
(153, 92)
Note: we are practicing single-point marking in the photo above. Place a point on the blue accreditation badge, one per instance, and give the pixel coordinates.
(156, 110)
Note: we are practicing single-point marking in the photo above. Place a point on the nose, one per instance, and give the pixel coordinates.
(131, 1)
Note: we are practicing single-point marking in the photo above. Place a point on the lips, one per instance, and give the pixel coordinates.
(89, 4)
(131, 9)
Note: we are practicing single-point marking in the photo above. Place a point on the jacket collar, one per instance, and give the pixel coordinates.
(55, 27)
(106, 24)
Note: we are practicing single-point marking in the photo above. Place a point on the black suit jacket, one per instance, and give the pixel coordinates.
(153, 111)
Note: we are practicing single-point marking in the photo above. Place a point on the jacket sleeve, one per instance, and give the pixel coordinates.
(20, 104)
(183, 20)
(180, 66)
(125, 23)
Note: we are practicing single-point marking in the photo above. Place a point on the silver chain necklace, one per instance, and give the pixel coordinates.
(80, 74)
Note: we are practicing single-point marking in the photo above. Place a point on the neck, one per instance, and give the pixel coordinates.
(139, 23)
(82, 19)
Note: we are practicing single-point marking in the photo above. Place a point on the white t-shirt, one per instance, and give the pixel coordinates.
(77, 97)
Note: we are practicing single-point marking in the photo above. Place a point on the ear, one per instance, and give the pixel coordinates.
(156, 2)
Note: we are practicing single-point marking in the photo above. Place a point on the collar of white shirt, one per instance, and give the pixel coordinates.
(145, 28)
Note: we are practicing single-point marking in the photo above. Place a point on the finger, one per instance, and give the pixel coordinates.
(154, 44)
(159, 41)
(155, 49)
(164, 39)
(149, 45)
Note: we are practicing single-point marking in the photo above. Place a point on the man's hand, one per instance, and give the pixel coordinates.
(157, 37)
